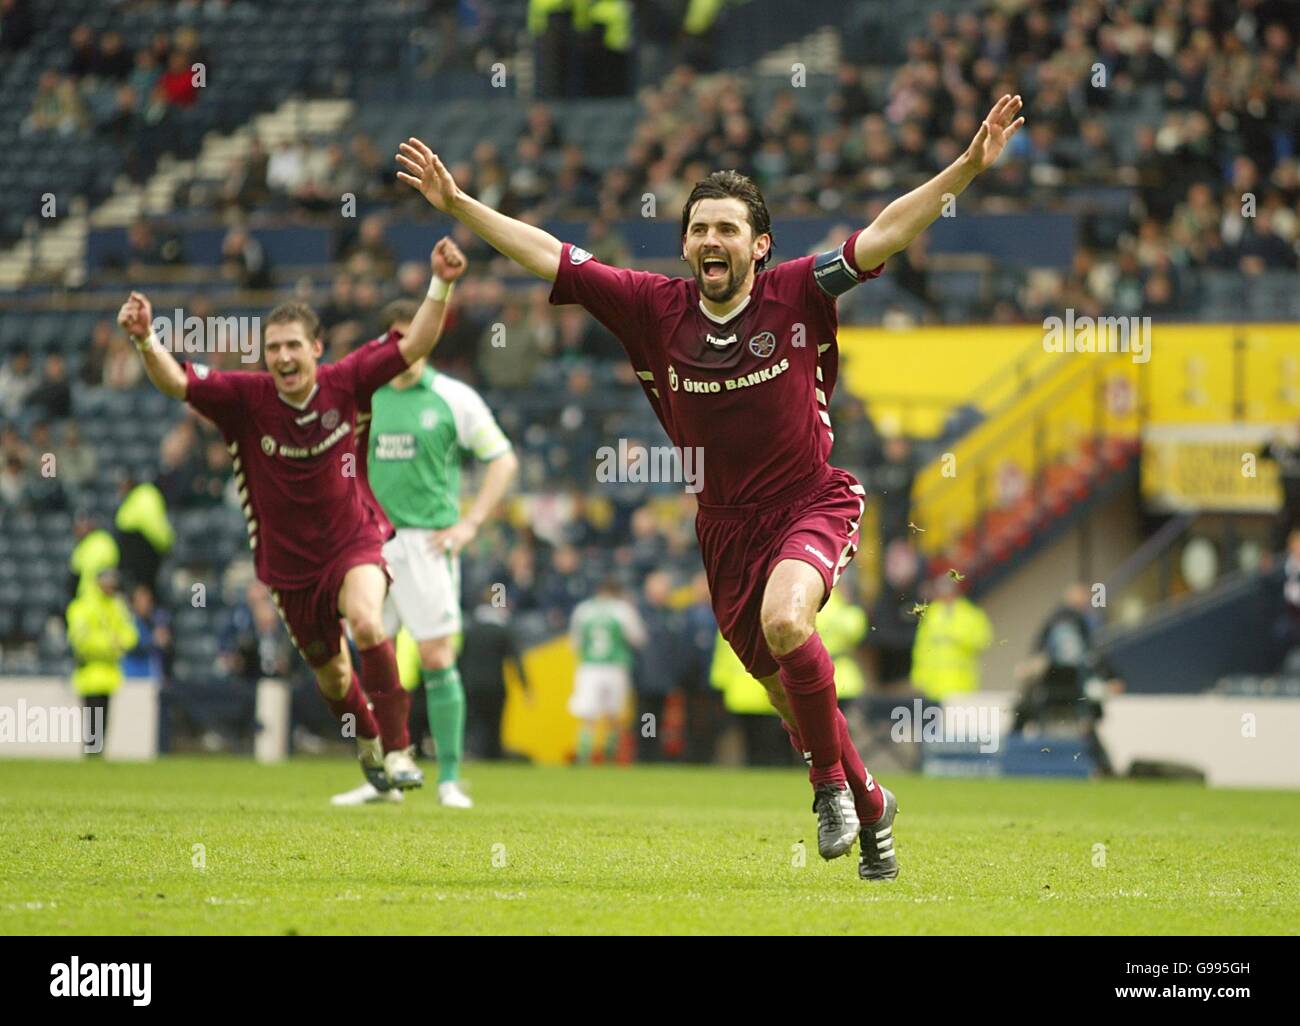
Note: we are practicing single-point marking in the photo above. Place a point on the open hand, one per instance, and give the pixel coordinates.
(997, 129)
(426, 174)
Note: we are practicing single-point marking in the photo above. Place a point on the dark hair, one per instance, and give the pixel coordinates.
(287, 313)
(733, 185)
(398, 310)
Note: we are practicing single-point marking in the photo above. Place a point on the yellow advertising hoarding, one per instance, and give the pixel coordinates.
(1209, 467)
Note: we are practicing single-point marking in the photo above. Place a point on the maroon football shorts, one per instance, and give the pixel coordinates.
(817, 521)
(312, 615)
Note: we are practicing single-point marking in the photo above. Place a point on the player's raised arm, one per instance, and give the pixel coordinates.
(168, 376)
(910, 214)
(448, 264)
(528, 246)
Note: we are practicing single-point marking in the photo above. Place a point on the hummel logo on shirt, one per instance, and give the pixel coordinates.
(307, 419)
(816, 552)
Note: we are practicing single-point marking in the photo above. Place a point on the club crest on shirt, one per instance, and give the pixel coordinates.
(763, 345)
(268, 445)
(330, 420)
(429, 419)
(578, 255)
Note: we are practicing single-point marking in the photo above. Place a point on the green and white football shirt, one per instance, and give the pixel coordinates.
(605, 630)
(418, 437)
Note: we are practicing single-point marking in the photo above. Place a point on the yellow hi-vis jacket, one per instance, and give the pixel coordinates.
(95, 552)
(741, 693)
(407, 652)
(615, 17)
(701, 15)
(540, 11)
(145, 510)
(100, 631)
(946, 653)
(841, 626)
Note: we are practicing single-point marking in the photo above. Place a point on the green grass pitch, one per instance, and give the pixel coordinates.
(104, 848)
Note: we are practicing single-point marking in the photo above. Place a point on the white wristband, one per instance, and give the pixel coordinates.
(440, 290)
(150, 341)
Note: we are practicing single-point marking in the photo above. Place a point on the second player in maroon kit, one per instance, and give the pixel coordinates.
(315, 529)
(300, 481)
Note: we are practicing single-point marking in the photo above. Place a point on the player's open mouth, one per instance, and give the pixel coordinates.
(289, 378)
(714, 268)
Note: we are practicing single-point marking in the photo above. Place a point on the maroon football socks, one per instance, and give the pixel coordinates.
(867, 797)
(353, 704)
(808, 676)
(391, 701)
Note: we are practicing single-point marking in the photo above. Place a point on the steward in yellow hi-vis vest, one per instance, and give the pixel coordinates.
(95, 552)
(101, 632)
(952, 635)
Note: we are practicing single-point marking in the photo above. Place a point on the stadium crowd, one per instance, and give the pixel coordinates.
(1216, 175)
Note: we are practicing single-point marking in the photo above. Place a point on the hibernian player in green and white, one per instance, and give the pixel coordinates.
(423, 424)
(604, 629)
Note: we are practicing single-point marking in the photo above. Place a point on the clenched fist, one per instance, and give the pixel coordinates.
(136, 316)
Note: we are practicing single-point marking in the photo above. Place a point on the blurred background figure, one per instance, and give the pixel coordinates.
(762, 740)
(952, 635)
(490, 645)
(94, 551)
(149, 659)
(658, 664)
(1286, 454)
(842, 625)
(101, 632)
(1065, 682)
(893, 636)
(1288, 626)
(703, 709)
(144, 532)
(605, 631)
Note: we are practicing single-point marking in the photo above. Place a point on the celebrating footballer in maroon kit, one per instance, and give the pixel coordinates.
(316, 531)
(741, 362)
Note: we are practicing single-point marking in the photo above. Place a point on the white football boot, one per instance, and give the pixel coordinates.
(402, 771)
(450, 794)
(367, 794)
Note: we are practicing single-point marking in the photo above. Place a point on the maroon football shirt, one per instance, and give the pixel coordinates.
(752, 392)
(302, 483)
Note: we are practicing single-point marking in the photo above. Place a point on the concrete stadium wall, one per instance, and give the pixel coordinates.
(1088, 552)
